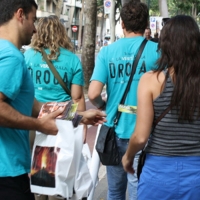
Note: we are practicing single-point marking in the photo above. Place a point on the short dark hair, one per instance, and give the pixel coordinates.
(9, 7)
(135, 16)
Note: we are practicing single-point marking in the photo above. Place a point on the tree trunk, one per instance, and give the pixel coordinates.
(59, 8)
(163, 8)
(70, 22)
(112, 21)
(101, 30)
(88, 51)
(80, 27)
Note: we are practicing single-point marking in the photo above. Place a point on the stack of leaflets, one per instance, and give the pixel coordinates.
(69, 112)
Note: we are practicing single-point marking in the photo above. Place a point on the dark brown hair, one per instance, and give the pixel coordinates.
(135, 16)
(9, 7)
(180, 49)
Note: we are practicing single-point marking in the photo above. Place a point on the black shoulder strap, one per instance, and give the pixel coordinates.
(161, 116)
(134, 65)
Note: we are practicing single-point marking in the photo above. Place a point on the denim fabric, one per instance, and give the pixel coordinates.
(170, 178)
(118, 178)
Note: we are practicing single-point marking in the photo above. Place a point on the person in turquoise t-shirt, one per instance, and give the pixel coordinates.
(18, 108)
(112, 68)
(17, 100)
(58, 48)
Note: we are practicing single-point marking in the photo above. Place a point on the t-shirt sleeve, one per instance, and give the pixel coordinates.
(78, 78)
(100, 71)
(11, 69)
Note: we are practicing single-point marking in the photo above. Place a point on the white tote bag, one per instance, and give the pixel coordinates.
(83, 181)
(52, 160)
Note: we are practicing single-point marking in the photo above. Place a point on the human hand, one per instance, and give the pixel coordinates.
(128, 164)
(93, 117)
(47, 124)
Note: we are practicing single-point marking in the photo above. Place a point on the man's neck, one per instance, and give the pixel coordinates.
(7, 33)
(131, 34)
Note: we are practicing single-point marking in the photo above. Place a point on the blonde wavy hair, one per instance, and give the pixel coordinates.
(51, 34)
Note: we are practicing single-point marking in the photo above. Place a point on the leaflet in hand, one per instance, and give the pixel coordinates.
(69, 112)
(53, 106)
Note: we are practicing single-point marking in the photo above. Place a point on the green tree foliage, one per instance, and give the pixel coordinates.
(153, 7)
(188, 7)
(100, 6)
(191, 7)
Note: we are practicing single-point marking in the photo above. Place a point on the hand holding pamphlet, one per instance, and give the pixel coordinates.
(69, 112)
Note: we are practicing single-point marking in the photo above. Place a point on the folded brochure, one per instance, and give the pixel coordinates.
(69, 112)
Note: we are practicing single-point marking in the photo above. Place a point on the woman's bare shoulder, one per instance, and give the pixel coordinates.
(153, 77)
(152, 83)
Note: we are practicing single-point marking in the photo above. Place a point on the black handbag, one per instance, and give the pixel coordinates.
(142, 156)
(106, 145)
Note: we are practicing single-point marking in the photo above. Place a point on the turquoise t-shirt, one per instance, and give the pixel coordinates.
(47, 88)
(16, 84)
(113, 67)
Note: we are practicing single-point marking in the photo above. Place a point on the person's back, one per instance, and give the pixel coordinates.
(119, 57)
(173, 149)
(58, 49)
(67, 64)
(17, 102)
(176, 130)
(113, 68)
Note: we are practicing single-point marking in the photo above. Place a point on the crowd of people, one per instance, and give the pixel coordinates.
(165, 87)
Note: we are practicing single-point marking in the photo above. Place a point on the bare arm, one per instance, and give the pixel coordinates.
(93, 117)
(78, 97)
(144, 122)
(94, 94)
(9, 117)
(36, 108)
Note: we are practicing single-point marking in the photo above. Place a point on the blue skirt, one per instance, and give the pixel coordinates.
(170, 178)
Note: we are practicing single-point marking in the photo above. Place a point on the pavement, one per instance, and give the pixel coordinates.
(101, 190)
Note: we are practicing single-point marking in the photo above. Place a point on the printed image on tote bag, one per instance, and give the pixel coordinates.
(43, 167)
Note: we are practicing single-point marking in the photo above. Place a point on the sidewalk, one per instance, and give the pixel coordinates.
(101, 189)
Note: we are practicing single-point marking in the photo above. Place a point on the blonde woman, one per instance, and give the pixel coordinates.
(52, 37)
